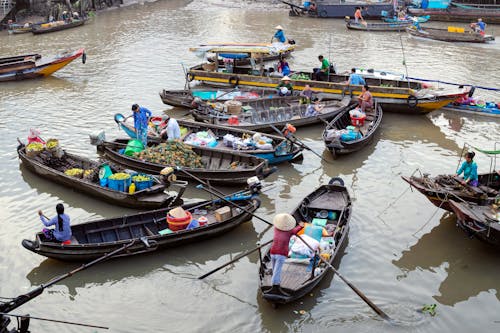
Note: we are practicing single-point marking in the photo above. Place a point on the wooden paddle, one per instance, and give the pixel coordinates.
(353, 287)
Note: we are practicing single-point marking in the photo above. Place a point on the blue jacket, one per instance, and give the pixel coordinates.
(60, 235)
(356, 79)
(280, 35)
(469, 170)
(141, 118)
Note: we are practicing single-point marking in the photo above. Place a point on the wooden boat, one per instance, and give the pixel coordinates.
(341, 9)
(262, 114)
(296, 280)
(34, 65)
(185, 97)
(490, 111)
(16, 29)
(457, 12)
(52, 168)
(393, 26)
(482, 222)
(220, 166)
(281, 150)
(93, 239)
(409, 20)
(56, 26)
(394, 95)
(439, 190)
(339, 147)
(447, 36)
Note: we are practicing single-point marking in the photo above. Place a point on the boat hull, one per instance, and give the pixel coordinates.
(397, 26)
(472, 109)
(38, 29)
(458, 15)
(445, 36)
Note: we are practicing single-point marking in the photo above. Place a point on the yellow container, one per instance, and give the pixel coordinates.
(131, 188)
(460, 30)
(452, 29)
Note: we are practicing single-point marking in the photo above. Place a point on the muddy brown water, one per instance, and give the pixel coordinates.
(402, 251)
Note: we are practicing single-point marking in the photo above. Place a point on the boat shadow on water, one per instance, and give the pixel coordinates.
(472, 267)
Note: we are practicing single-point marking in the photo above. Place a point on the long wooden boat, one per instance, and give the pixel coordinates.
(394, 95)
(341, 9)
(263, 114)
(474, 109)
(446, 36)
(47, 166)
(296, 279)
(337, 146)
(281, 150)
(455, 13)
(441, 189)
(482, 222)
(220, 166)
(393, 26)
(56, 26)
(34, 65)
(93, 239)
(420, 19)
(185, 97)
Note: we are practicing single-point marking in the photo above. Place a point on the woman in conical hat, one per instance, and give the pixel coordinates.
(284, 227)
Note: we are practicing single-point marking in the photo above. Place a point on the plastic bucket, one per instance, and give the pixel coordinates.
(355, 121)
(176, 224)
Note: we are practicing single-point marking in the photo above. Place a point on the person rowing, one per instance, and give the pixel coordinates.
(469, 169)
(62, 230)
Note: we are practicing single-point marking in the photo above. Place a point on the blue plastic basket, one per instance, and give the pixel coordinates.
(139, 186)
(119, 185)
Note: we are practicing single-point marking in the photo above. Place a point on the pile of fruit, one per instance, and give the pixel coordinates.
(300, 76)
(52, 143)
(140, 178)
(35, 146)
(119, 176)
(74, 172)
(171, 153)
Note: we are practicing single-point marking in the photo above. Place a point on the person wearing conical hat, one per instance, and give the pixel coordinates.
(279, 34)
(284, 227)
(285, 88)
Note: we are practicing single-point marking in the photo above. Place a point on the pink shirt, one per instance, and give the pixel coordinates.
(281, 239)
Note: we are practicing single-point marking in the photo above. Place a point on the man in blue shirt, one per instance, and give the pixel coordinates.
(279, 35)
(479, 26)
(141, 119)
(355, 78)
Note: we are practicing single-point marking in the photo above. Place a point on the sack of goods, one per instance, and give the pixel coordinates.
(357, 113)
(233, 107)
(171, 153)
(202, 138)
(351, 135)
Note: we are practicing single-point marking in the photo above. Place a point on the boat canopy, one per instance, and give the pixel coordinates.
(237, 50)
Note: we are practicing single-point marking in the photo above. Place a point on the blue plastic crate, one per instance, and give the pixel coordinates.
(139, 186)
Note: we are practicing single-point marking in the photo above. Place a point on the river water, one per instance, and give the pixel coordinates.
(402, 251)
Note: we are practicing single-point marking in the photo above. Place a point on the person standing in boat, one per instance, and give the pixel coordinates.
(469, 168)
(284, 227)
(285, 88)
(172, 131)
(365, 100)
(62, 230)
(479, 26)
(141, 120)
(279, 34)
(358, 17)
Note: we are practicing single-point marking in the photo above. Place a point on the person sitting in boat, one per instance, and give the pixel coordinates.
(365, 100)
(285, 88)
(358, 17)
(34, 136)
(355, 78)
(306, 95)
(469, 169)
(172, 131)
(313, 8)
(65, 16)
(416, 24)
(314, 109)
(321, 73)
(279, 34)
(283, 67)
(284, 227)
(76, 16)
(479, 26)
(141, 117)
(62, 230)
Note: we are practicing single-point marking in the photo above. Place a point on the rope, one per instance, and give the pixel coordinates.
(430, 218)
(454, 84)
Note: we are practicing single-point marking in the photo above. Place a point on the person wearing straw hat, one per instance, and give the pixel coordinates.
(279, 34)
(285, 88)
(284, 227)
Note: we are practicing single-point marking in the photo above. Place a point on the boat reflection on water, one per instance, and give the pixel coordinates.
(472, 266)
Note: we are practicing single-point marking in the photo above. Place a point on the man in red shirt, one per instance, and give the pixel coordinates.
(284, 227)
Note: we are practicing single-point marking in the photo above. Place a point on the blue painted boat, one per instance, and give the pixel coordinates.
(276, 150)
(490, 109)
(421, 19)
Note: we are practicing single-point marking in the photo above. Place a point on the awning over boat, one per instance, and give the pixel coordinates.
(240, 48)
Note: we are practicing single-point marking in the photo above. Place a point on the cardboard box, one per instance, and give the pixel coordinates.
(223, 214)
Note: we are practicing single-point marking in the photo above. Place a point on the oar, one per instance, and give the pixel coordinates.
(299, 143)
(234, 260)
(53, 320)
(353, 287)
